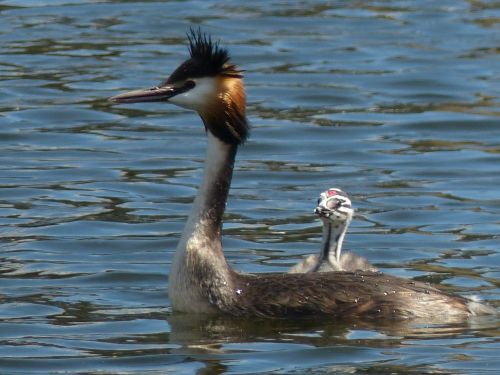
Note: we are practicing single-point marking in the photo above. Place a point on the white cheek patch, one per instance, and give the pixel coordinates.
(198, 96)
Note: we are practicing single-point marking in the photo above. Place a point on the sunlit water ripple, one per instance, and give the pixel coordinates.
(396, 102)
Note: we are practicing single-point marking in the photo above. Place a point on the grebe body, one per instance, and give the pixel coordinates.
(335, 210)
(201, 281)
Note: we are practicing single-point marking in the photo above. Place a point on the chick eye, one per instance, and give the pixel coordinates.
(334, 204)
(189, 84)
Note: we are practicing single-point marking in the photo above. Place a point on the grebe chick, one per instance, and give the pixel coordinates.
(200, 279)
(335, 211)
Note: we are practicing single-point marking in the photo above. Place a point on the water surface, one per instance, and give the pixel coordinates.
(397, 102)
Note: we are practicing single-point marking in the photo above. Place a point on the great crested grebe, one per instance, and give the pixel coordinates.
(336, 212)
(201, 280)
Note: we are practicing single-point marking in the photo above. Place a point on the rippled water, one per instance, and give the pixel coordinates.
(397, 102)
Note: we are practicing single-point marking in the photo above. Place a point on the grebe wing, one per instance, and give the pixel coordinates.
(343, 295)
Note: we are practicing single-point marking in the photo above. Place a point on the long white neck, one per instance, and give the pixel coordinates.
(208, 207)
(199, 265)
(333, 238)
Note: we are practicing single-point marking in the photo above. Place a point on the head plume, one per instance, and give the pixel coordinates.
(208, 59)
(213, 58)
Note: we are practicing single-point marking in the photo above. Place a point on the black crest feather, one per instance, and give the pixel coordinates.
(208, 59)
(204, 50)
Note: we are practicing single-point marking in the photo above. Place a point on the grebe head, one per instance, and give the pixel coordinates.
(206, 83)
(334, 205)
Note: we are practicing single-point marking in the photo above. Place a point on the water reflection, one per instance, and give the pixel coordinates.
(333, 345)
(197, 329)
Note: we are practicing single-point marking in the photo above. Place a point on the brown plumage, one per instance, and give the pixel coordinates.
(343, 295)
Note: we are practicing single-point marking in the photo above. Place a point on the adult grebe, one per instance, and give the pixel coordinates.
(336, 212)
(200, 280)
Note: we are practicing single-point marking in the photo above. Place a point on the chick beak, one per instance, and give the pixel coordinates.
(322, 211)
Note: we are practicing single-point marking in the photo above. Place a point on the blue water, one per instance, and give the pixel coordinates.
(396, 102)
